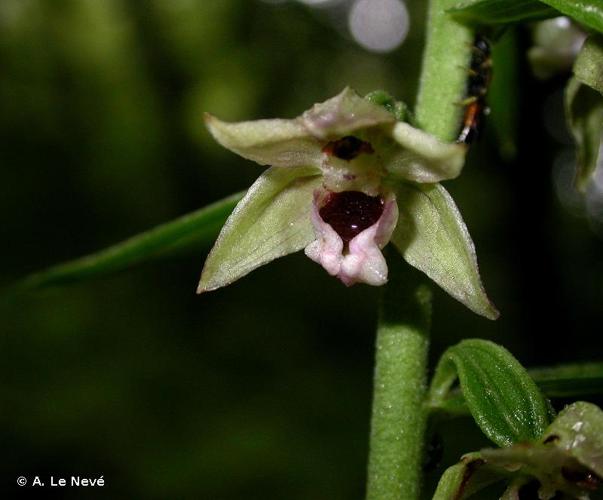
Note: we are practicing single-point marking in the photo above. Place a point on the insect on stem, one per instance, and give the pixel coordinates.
(480, 75)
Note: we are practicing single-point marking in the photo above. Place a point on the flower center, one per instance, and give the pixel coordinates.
(347, 148)
(351, 212)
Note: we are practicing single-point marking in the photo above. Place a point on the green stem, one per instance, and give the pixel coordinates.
(445, 70)
(399, 416)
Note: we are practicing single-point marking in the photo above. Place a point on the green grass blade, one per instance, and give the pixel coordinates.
(581, 379)
(198, 228)
(586, 12)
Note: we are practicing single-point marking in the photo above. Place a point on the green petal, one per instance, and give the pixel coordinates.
(272, 220)
(281, 143)
(342, 114)
(423, 158)
(432, 237)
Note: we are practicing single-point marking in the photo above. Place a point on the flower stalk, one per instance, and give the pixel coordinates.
(400, 385)
(443, 81)
(399, 417)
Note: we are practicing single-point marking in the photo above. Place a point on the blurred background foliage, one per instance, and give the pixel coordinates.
(261, 390)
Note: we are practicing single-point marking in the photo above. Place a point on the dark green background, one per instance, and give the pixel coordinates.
(261, 390)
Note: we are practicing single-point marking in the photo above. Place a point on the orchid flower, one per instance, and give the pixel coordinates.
(346, 178)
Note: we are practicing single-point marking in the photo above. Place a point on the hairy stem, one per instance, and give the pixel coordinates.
(444, 75)
(399, 416)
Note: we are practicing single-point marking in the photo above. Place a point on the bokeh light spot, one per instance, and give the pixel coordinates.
(379, 25)
(319, 3)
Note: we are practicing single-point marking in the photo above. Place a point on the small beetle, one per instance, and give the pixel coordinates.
(480, 75)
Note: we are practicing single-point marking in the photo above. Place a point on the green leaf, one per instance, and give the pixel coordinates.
(501, 11)
(272, 220)
(502, 398)
(584, 114)
(569, 380)
(196, 229)
(578, 430)
(586, 12)
(432, 237)
(562, 381)
(588, 67)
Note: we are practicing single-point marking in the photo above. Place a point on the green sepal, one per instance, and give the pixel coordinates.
(504, 401)
(432, 237)
(584, 114)
(272, 220)
(276, 142)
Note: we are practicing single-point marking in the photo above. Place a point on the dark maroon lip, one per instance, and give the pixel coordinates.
(351, 212)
